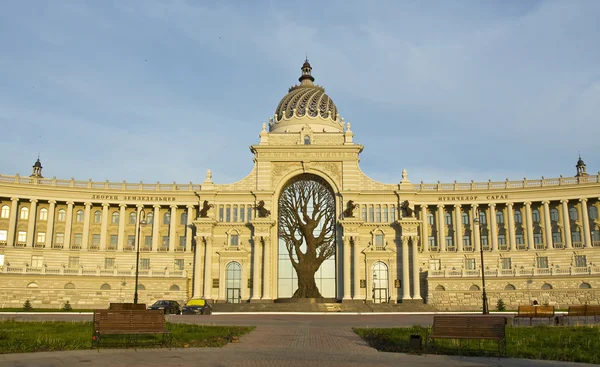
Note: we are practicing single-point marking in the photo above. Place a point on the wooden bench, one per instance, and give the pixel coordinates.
(131, 323)
(534, 312)
(127, 306)
(469, 327)
(582, 314)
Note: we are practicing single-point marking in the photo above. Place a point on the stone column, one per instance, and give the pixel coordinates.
(207, 268)
(415, 268)
(346, 268)
(587, 239)
(441, 228)
(356, 267)
(458, 227)
(197, 291)
(104, 226)
(493, 227)
(12, 222)
(121, 239)
(31, 225)
(567, 223)
(155, 225)
(476, 231)
(68, 225)
(424, 228)
(405, 270)
(529, 226)
(188, 228)
(267, 268)
(256, 271)
(50, 224)
(511, 226)
(86, 226)
(173, 228)
(547, 225)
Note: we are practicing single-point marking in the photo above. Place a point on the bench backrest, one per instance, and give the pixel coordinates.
(593, 310)
(127, 306)
(129, 320)
(469, 326)
(527, 311)
(584, 310)
(536, 311)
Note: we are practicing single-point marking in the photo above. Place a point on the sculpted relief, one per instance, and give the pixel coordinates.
(281, 169)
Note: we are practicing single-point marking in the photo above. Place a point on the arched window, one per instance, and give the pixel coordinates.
(500, 217)
(546, 286)
(105, 287)
(69, 286)
(32, 285)
(62, 215)
(440, 288)
(509, 287)
(573, 214)
(174, 287)
(518, 216)
(585, 286)
(115, 218)
(448, 219)
(554, 215)
(465, 218)
(183, 219)
(79, 216)
(306, 140)
(474, 287)
(24, 213)
(141, 287)
(6, 212)
(167, 218)
(535, 216)
(132, 217)
(43, 214)
(592, 210)
(482, 218)
(150, 218)
(97, 216)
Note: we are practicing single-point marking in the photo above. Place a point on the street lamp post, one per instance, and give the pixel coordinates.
(141, 222)
(484, 295)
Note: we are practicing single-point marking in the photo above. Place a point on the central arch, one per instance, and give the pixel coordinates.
(306, 238)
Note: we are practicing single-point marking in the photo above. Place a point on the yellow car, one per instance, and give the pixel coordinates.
(197, 306)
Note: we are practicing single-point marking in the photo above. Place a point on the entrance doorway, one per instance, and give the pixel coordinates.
(233, 282)
(380, 283)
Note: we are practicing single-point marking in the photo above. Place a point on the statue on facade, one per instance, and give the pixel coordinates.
(261, 211)
(350, 206)
(408, 209)
(205, 208)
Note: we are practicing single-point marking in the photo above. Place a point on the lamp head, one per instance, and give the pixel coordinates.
(143, 222)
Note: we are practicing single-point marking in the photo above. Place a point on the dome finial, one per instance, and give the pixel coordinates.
(306, 78)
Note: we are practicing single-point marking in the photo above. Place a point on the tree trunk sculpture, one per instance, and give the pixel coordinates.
(307, 217)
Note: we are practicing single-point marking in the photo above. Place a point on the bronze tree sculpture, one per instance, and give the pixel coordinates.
(307, 222)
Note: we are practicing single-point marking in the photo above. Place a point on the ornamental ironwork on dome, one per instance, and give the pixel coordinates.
(307, 100)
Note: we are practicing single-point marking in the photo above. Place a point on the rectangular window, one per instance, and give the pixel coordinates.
(465, 219)
(96, 239)
(130, 241)
(60, 238)
(449, 241)
(364, 213)
(431, 241)
(466, 241)
(556, 237)
(144, 264)
(541, 262)
(576, 236)
(378, 214)
(3, 234)
(37, 261)
(114, 239)
(371, 213)
(41, 237)
(430, 219)
(580, 261)
(22, 236)
(242, 214)
(484, 242)
(73, 262)
(537, 238)
(501, 239)
(221, 209)
(228, 214)
(435, 264)
(379, 240)
(165, 241)
(234, 240)
(109, 263)
(182, 241)
(519, 239)
(506, 263)
(470, 264)
(148, 241)
(448, 219)
(235, 213)
(385, 214)
(178, 265)
(249, 216)
(392, 213)
(78, 239)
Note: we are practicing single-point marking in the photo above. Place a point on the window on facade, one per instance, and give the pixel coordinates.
(500, 218)
(482, 218)
(430, 219)
(518, 216)
(221, 212)
(73, 262)
(573, 214)
(249, 212)
(537, 238)
(484, 241)
(97, 216)
(148, 241)
(595, 236)
(167, 218)
(78, 239)
(24, 213)
(235, 240)
(183, 219)
(37, 261)
(385, 214)
(470, 264)
(150, 218)
(60, 238)
(132, 217)
(96, 239)
(465, 218)
(535, 216)
(556, 237)
(43, 214)
(131, 241)
(115, 218)
(364, 213)
(541, 262)
(144, 264)
(576, 236)
(3, 235)
(179, 264)
(435, 264)
(378, 214)
(448, 219)
(109, 263)
(242, 219)
(580, 261)
(546, 286)
(392, 213)
(165, 241)
(466, 241)
(379, 239)
(22, 236)
(228, 214)
(235, 213)
(519, 239)
(41, 237)
(79, 216)
(182, 240)
(306, 140)
(431, 241)
(6, 212)
(114, 239)
(501, 239)
(449, 241)
(592, 211)
(506, 263)
(554, 215)
(62, 215)
(371, 213)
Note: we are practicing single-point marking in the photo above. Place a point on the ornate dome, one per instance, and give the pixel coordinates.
(304, 104)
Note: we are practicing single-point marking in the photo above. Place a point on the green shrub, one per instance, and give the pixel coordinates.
(500, 305)
(27, 306)
(67, 307)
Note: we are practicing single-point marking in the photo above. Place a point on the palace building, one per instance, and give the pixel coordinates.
(406, 242)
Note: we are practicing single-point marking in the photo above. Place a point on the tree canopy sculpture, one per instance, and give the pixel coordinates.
(307, 222)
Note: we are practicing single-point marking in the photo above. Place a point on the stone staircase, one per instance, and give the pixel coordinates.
(322, 307)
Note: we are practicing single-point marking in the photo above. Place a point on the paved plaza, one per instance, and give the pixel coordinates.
(278, 340)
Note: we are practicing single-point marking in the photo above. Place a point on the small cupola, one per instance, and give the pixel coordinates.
(37, 169)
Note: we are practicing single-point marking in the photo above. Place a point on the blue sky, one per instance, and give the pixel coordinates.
(164, 90)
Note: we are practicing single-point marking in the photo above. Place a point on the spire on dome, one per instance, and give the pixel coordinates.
(306, 78)
(37, 169)
(580, 167)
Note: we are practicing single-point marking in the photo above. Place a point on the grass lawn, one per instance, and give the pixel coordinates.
(20, 309)
(21, 337)
(569, 344)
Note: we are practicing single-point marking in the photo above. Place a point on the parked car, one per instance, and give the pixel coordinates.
(197, 307)
(169, 307)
